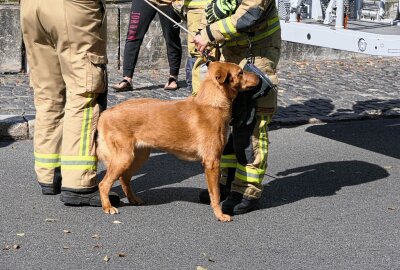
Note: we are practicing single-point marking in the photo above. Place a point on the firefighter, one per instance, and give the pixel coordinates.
(246, 31)
(194, 10)
(66, 49)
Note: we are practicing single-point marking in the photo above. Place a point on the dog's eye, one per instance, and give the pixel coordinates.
(241, 72)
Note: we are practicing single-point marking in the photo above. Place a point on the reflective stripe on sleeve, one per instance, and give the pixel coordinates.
(273, 26)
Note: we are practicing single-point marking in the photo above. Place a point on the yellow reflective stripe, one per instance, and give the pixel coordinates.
(228, 161)
(227, 28)
(248, 174)
(47, 164)
(230, 156)
(89, 128)
(40, 155)
(273, 26)
(47, 160)
(268, 33)
(263, 140)
(80, 167)
(195, 3)
(273, 20)
(86, 124)
(79, 158)
(79, 162)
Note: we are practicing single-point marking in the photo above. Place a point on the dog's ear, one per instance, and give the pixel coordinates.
(221, 75)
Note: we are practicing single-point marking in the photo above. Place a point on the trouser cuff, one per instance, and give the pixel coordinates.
(250, 191)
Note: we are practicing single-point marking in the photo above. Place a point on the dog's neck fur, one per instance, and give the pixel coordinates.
(216, 100)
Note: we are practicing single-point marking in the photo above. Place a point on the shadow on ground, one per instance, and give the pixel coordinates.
(380, 136)
(160, 170)
(318, 180)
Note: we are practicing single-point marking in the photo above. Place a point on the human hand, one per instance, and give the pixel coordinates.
(200, 43)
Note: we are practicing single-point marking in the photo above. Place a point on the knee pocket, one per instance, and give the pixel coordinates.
(96, 73)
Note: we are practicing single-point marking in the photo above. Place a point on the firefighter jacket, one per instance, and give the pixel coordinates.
(255, 19)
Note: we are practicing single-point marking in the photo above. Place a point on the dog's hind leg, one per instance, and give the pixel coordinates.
(140, 156)
(212, 171)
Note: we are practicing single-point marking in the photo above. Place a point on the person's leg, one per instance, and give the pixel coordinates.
(139, 21)
(251, 143)
(81, 46)
(173, 41)
(49, 98)
(193, 22)
(251, 148)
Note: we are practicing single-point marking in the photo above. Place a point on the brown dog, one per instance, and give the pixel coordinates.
(193, 129)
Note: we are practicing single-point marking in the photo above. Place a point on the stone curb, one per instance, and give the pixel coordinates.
(17, 127)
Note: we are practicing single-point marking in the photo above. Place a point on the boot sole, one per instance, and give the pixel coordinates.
(78, 200)
(244, 211)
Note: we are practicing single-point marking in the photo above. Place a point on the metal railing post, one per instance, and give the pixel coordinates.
(339, 14)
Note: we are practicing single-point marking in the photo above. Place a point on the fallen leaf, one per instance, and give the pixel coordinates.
(106, 259)
(65, 247)
(121, 255)
(21, 234)
(95, 236)
(387, 167)
(211, 260)
(200, 268)
(117, 222)
(66, 231)
(51, 220)
(7, 247)
(16, 246)
(97, 246)
(392, 208)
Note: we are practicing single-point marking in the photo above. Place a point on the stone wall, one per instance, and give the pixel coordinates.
(152, 54)
(153, 51)
(10, 39)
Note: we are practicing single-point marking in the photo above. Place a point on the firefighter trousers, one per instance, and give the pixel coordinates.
(65, 42)
(247, 147)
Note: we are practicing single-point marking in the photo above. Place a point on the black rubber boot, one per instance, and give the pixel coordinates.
(91, 198)
(236, 204)
(55, 188)
(224, 190)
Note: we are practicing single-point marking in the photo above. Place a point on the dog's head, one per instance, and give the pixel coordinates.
(232, 77)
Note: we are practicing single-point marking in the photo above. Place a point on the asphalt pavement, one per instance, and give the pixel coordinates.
(331, 198)
(331, 201)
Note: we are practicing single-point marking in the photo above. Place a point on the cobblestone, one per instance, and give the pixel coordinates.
(310, 92)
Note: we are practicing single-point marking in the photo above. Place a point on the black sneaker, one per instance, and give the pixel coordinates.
(91, 198)
(204, 196)
(236, 204)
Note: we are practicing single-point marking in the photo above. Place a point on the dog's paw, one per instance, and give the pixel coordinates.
(225, 218)
(110, 210)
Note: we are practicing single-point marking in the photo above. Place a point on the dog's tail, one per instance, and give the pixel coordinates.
(102, 150)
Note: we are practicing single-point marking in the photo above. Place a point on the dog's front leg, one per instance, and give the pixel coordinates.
(212, 171)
